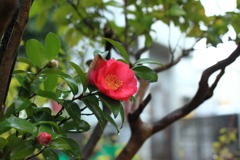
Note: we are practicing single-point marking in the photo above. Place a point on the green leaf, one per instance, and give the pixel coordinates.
(23, 82)
(47, 94)
(113, 104)
(176, 10)
(42, 114)
(81, 75)
(51, 82)
(36, 52)
(17, 123)
(59, 144)
(122, 60)
(73, 110)
(147, 61)
(22, 149)
(94, 107)
(10, 111)
(51, 123)
(147, 21)
(148, 40)
(48, 129)
(122, 116)
(71, 127)
(53, 45)
(102, 54)
(71, 83)
(21, 103)
(110, 119)
(13, 140)
(41, 20)
(75, 150)
(25, 60)
(3, 143)
(145, 73)
(63, 94)
(49, 154)
(119, 47)
(52, 71)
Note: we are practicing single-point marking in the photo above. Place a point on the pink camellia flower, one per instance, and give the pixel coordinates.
(114, 79)
(44, 138)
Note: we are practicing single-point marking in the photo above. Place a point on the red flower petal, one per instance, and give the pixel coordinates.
(114, 79)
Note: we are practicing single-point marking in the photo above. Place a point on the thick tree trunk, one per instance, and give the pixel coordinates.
(9, 47)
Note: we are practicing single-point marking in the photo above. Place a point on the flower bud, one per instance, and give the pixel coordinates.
(53, 64)
(44, 138)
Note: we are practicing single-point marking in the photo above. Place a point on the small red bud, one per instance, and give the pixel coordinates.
(44, 138)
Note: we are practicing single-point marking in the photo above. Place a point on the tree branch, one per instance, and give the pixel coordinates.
(204, 92)
(140, 52)
(9, 55)
(140, 94)
(7, 9)
(170, 64)
(95, 136)
(141, 131)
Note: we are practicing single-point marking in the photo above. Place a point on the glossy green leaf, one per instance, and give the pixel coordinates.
(145, 73)
(22, 149)
(53, 45)
(47, 94)
(122, 113)
(48, 129)
(22, 103)
(147, 61)
(17, 123)
(122, 60)
(71, 127)
(51, 123)
(49, 154)
(119, 47)
(81, 75)
(23, 82)
(51, 82)
(110, 119)
(73, 110)
(25, 60)
(4, 127)
(36, 52)
(62, 93)
(75, 150)
(10, 111)
(71, 83)
(3, 143)
(52, 71)
(102, 54)
(13, 140)
(42, 114)
(113, 104)
(97, 111)
(59, 144)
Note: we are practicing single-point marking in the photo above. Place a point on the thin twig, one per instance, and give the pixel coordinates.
(37, 153)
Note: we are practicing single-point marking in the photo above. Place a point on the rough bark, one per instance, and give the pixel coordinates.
(9, 48)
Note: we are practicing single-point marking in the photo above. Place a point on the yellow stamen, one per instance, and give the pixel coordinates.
(113, 82)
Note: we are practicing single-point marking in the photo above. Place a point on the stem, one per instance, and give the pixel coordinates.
(37, 153)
